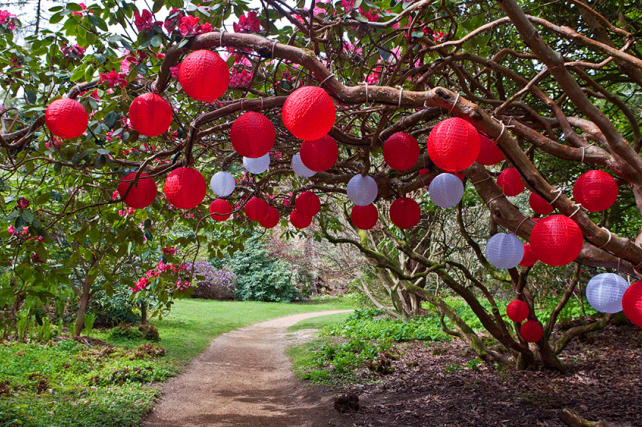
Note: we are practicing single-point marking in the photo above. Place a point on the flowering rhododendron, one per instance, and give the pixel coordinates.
(73, 51)
(248, 24)
(114, 79)
(240, 78)
(11, 229)
(23, 203)
(189, 26)
(8, 19)
(82, 7)
(172, 19)
(169, 251)
(145, 22)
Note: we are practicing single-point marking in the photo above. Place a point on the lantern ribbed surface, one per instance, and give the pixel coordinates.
(220, 209)
(401, 151)
(446, 190)
(204, 76)
(364, 217)
(271, 218)
(299, 168)
(539, 205)
(453, 145)
(531, 331)
(489, 152)
(510, 181)
(529, 258)
(556, 240)
(504, 250)
(605, 291)
(405, 213)
(362, 190)
(308, 203)
(300, 220)
(309, 113)
(150, 114)
(66, 118)
(142, 194)
(252, 135)
(632, 303)
(256, 208)
(222, 184)
(185, 188)
(321, 154)
(258, 165)
(517, 311)
(595, 190)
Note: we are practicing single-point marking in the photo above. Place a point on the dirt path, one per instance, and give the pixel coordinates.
(245, 379)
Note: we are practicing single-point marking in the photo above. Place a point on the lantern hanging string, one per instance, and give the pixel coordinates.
(326, 79)
(454, 104)
(400, 95)
(220, 39)
(494, 198)
(607, 240)
(520, 224)
(365, 83)
(577, 209)
(482, 180)
(261, 98)
(504, 127)
(559, 193)
(273, 46)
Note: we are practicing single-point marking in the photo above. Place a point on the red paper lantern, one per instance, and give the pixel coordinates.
(364, 217)
(401, 151)
(632, 303)
(220, 209)
(319, 155)
(556, 240)
(256, 208)
(489, 153)
(424, 171)
(453, 145)
(252, 135)
(539, 205)
(307, 203)
(185, 188)
(271, 218)
(529, 258)
(510, 182)
(150, 114)
(595, 190)
(142, 194)
(517, 311)
(300, 220)
(309, 113)
(531, 331)
(66, 118)
(405, 213)
(204, 76)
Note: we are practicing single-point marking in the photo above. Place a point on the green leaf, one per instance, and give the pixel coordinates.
(27, 217)
(157, 41)
(56, 18)
(74, 7)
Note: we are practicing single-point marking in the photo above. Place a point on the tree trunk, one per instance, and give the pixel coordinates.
(143, 313)
(82, 307)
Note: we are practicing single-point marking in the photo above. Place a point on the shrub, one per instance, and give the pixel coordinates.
(125, 332)
(150, 332)
(215, 283)
(113, 310)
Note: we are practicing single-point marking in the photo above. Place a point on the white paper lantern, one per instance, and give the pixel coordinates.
(504, 250)
(222, 184)
(362, 190)
(446, 190)
(299, 168)
(605, 291)
(258, 165)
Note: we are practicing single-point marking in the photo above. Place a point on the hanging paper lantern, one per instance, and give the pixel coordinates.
(453, 145)
(510, 181)
(204, 76)
(362, 190)
(531, 331)
(258, 165)
(321, 154)
(220, 209)
(595, 190)
(252, 135)
(300, 220)
(424, 171)
(142, 194)
(605, 291)
(504, 250)
(539, 205)
(309, 113)
(150, 114)
(489, 153)
(364, 217)
(405, 213)
(222, 184)
(271, 218)
(300, 169)
(446, 190)
(632, 303)
(517, 311)
(529, 258)
(556, 240)
(256, 208)
(307, 203)
(66, 118)
(401, 151)
(185, 188)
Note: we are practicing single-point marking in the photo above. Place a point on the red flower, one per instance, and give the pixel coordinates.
(248, 24)
(114, 79)
(23, 203)
(188, 25)
(145, 22)
(172, 19)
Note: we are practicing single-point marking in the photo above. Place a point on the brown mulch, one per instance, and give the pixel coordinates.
(436, 386)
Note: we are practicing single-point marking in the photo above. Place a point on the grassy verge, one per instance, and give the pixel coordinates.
(69, 384)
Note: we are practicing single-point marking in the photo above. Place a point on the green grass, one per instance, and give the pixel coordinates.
(319, 322)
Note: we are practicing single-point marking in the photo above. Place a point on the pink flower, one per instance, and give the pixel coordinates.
(175, 70)
(8, 19)
(188, 25)
(11, 229)
(248, 24)
(74, 51)
(145, 22)
(114, 79)
(169, 251)
(439, 36)
(23, 203)
(172, 19)
(372, 15)
(240, 78)
(83, 7)
(347, 4)
(25, 231)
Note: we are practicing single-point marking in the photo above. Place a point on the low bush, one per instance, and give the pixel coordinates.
(113, 310)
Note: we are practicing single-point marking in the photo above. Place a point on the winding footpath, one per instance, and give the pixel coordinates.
(245, 379)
